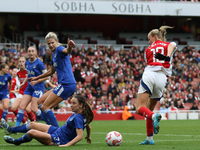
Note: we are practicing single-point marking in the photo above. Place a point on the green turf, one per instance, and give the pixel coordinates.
(174, 134)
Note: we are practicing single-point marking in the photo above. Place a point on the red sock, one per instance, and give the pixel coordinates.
(143, 111)
(15, 112)
(149, 126)
(32, 116)
(25, 117)
(1, 112)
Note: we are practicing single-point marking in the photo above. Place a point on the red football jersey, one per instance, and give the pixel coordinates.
(157, 47)
(22, 76)
(13, 87)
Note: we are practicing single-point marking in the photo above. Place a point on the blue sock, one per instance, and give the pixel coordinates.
(42, 116)
(24, 138)
(5, 113)
(23, 128)
(39, 106)
(51, 118)
(20, 116)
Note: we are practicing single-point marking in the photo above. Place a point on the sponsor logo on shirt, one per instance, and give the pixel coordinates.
(30, 72)
(2, 83)
(55, 64)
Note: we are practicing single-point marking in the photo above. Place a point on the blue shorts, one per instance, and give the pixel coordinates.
(6, 95)
(34, 93)
(55, 138)
(65, 90)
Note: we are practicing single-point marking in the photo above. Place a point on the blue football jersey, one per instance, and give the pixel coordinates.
(4, 83)
(34, 69)
(67, 132)
(63, 67)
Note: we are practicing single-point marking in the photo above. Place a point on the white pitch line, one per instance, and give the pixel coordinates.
(145, 134)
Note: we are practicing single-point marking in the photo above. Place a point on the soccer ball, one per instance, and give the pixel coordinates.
(114, 138)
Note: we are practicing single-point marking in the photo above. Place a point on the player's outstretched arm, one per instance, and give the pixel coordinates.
(76, 139)
(46, 74)
(71, 45)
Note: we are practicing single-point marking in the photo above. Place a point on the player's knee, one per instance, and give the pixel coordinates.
(13, 108)
(22, 107)
(31, 133)
(32, 124)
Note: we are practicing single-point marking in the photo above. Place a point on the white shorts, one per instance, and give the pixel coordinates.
(20, 96)
(153, 83)
(11, 101)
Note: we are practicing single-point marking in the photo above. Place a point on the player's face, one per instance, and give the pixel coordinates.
(32, 53)
(52, 43)
(14, 73)
(151, 38)
(75, 106)
(5, 70)
(22, 63)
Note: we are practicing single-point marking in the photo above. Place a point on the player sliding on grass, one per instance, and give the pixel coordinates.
(154, 79)
(68, 134)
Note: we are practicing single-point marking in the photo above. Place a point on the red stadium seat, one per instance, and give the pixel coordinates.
(133, 60)
(129, 42)
(188, 106)
(88, 79)
(122, 40)
(104, 88)
(122, 95)
(92, 57)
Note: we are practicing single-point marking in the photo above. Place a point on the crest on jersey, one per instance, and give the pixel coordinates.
(71, 118)
(34, 66)
(55, 56)
(6, 78)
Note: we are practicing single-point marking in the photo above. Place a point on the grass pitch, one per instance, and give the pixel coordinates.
(174, 134)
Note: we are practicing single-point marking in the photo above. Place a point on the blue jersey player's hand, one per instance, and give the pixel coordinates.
(31, 78)
(71, 43)
(88, 139)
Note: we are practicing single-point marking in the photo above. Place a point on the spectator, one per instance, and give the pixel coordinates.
(186, 28)
(61, 110)
(95, 81)
(99, 93)
(112, 89)
(172, 108)
(12, 49)
(122, 83)
(163, 109)
(3, 57)
(90, 72)
(42, 49)
(194, 106)
(126, 115)
(98, 52)
(103, 108)
(190, 98)
(180, 104)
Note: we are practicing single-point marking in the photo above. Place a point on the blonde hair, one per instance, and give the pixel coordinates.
(22, 58)
(161, 32)
(53, 36)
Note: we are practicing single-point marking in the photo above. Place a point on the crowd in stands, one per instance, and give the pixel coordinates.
(109, 79)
